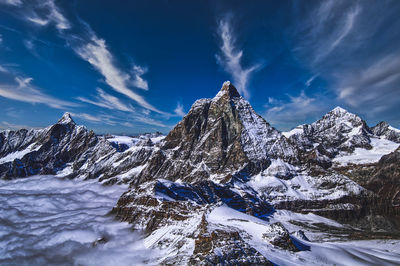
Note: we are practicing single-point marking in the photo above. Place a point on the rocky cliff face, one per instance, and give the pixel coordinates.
(382, 178)
(218, 137)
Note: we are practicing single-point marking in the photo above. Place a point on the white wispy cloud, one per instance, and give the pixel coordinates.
(46, 11)
(56, 16)
(101, 118)
(30, 46)
(7, 125)
(11, 2)
(38, 21)
(334, 23)
(231, 56)
(149, 121)
(137, 80)
(353, 49)
(310, 80)
(375, 85)
(24, 91)
(345, 28)
(3, 69)
(94, 50)
(97, 54)
(117, 120)
(179, 110)
(297, 109)
(105, 100)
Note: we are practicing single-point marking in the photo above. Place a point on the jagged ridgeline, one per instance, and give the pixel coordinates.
(224, 160)
(218, 138)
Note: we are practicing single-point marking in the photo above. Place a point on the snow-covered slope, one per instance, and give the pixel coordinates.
(284, 182)
(380, 146)
(130, 141)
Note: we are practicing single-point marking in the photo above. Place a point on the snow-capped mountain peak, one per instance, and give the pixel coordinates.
(340, 115)
(66, 119)
(217, 137)
(338, 110)
(227, 89)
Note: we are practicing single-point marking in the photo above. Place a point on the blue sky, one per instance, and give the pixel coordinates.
(137, 66)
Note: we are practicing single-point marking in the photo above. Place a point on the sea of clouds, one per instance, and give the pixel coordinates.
(45, 220)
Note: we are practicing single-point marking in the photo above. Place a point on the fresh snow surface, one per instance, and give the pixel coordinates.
(300, 185)
(173, 239)
(45, 220)
(129, 141)
(131, 173)
(19, 154)
(380, 147)
(394, 129)
(294, 131)
(371, 252)
(132, 141)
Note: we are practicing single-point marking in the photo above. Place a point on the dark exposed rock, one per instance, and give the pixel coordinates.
(223, 247)
(301, 235)
(101, 240)
(385, 130)
(232, 250)
(279, 236)
(382, 178)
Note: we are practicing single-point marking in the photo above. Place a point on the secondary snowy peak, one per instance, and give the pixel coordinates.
(338, 130)
(344, 138)
(340, 116)
(339, 111)
(66, 119)
(338, 120)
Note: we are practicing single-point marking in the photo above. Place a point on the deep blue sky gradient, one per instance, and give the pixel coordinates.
(347, 50)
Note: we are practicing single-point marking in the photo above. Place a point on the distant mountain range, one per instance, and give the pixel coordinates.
(224, 160)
